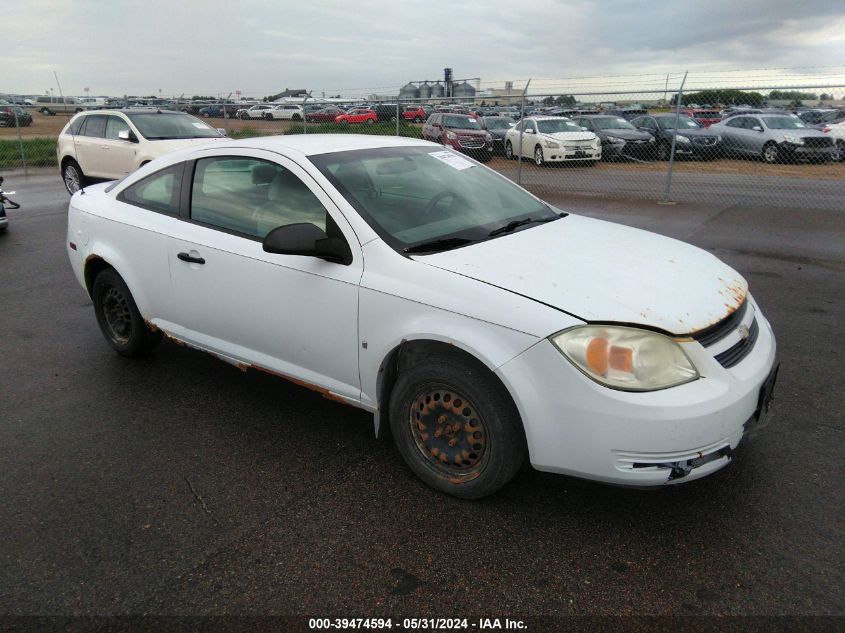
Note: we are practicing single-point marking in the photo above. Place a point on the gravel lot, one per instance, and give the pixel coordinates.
(180, 485)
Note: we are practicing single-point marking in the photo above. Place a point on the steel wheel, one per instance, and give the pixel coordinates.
(117, 315)
(448, 431)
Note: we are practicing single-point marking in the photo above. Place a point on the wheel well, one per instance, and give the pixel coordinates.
(66, 160)
(94, 266)
(409, 353)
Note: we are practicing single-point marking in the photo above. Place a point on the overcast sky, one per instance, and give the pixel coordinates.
(184, 46)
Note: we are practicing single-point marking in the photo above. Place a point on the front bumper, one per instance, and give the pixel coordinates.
(800, 151)
(578, 427)
(638, 149)
(571, 153)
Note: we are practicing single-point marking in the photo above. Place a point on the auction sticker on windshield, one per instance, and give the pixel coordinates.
(453, 160)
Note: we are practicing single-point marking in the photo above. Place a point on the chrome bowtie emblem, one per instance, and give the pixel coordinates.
(743, 332)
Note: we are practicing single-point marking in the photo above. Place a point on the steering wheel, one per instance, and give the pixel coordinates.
(432, 204)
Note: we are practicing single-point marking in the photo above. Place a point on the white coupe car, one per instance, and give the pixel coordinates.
(477, 322)
(552, 140)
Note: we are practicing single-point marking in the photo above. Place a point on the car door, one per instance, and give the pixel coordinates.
(116, 154)
(293, 315)
(87, 144)
(757, 136)
(529, 138)
(732, 134)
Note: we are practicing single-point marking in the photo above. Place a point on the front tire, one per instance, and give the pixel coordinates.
(539, 159)
(118, 316)
(771, 153)
(664, 150)
(509, 151)
(73, 177)
(456, 427)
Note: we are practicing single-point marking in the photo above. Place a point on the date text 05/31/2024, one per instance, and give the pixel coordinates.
(416, 624)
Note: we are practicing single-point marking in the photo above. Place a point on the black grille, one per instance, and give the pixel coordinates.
(817, 141)
(736, 353)
(717, 332)
(705, 140)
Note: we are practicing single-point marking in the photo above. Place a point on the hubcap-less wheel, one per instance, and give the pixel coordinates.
(118, 315)
(72, 180)
(448, 431)
(538, 156)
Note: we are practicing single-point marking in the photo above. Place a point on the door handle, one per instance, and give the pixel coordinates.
(185, 257)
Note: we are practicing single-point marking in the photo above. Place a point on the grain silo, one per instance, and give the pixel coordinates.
(409, 91)
(425, 91)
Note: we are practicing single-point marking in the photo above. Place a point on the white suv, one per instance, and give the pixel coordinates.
(285, 111)
(109, 144)
(255, 112)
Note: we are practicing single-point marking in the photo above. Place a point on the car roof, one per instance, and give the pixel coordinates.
(314, 144)
(548, 118)
(147, 110)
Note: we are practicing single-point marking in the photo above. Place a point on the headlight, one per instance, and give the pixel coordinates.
(550, 143)
(488, 136)
(791, 138)
(451, 136)
(681, 139)
(626, 358)
(615, 139)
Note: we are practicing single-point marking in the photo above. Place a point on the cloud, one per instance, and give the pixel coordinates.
(258, 47)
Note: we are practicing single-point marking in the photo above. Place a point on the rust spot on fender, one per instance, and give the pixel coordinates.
(151, 326)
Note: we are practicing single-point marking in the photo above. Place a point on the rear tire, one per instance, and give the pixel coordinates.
(73, 177)
(840, 145)
(118, 316)
(456, 427)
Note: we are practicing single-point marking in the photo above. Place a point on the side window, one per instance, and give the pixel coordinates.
(251, 196)
(115, 124)
(752, 123)
(95, 125)
(529, 127)
(158, 192)
(736, 122)
(75, 127)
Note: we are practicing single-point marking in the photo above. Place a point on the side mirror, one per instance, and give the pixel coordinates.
(757, 128)
(307, 240)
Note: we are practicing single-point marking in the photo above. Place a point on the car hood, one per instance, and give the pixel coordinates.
(604, 272)
(171, 145)
(464, 132)
(628, 135)
(691, 131)
(571, 136)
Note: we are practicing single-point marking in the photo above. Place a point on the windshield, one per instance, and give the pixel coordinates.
(783, 123)
(498, 123)
(616, 123)
(457, 122)
(412, 195)
(553, 126)
(832, 116)
(668, 123)
(164, 125)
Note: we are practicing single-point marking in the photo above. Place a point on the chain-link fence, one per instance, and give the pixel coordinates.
(717, 138)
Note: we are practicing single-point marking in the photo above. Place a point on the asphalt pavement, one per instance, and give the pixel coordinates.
(178, 484)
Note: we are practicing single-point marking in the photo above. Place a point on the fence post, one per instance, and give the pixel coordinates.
(20, 143)
(674, 137)
(521, 126)
(304, 120)
(397, 116)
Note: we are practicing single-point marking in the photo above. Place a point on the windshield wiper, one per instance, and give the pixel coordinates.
(514, 224)
(439, 245)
